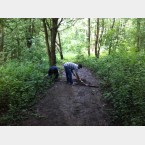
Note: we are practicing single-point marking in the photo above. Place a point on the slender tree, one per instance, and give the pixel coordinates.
(89, 33)
(1, 36)
(30, 32)
(97, 37)
(51, 27)
(138, 34)
(100, 38)
(59, 46)
(110, 44)
(2, 54)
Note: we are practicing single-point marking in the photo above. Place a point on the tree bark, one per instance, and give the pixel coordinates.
(100, 39)
(53, 40)
(53, 27)
(138, 34)
(89, 36)
(30, 32)
(59, 44)
(97, 38)
(1, 37)
(46, 40)
(110, 45)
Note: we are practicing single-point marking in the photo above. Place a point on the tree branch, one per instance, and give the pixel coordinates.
(59, 22)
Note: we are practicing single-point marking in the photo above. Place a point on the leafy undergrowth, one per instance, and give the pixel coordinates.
(123, 82)
(20, 86)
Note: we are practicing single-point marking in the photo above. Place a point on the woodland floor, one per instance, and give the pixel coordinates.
(66, 105)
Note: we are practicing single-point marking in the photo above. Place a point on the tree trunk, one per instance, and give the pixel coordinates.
(89, 36)
(110, 45)
(100, 39)
(97, 38)
(1, 37)
(2, 42)
(30, 32)
(53, 26)
(59, 44)
(53, 40)
(46, 40)
(138, 34)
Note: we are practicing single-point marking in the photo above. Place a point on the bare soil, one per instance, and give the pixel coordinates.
(67, 105)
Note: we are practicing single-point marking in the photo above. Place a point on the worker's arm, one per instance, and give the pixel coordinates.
(73, 73)
(79, 79)
(77, 76)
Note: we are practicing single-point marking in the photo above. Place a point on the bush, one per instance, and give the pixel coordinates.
(19, 84)
(123, 82)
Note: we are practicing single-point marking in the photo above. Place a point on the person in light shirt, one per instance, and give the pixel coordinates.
(71, 68)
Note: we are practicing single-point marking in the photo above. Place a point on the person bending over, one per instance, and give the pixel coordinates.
(71, 68)
(53, 72)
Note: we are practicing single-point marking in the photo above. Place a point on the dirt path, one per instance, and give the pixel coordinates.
(66, 105)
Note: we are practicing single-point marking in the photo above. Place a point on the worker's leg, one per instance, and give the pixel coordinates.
(66, 72)
(70, 77)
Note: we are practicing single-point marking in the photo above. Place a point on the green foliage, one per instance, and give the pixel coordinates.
(19, 85)
(123, 83)
(122, 73)
(23, 69)
(73, 38)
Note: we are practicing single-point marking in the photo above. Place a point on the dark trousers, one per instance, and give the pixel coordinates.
(68, 74)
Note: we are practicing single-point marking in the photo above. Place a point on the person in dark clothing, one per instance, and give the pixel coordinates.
(72, 68)
(53, 72)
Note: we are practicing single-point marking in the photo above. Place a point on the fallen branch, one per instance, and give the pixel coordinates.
(87, 85)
